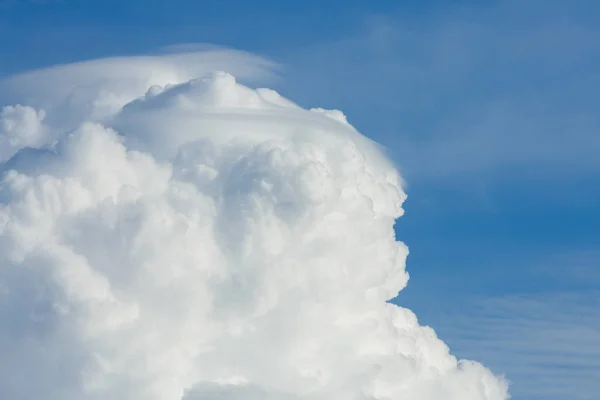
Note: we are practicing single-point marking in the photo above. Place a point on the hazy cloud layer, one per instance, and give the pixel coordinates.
(549, 341)
(473, 90)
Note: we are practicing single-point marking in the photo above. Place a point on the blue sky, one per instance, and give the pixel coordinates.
(490, 111)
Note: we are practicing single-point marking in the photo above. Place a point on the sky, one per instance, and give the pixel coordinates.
(489, 111)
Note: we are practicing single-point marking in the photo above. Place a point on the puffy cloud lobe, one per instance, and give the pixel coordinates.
(208, 241)
(20, 127)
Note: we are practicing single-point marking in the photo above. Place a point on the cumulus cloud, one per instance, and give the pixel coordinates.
(171, 234)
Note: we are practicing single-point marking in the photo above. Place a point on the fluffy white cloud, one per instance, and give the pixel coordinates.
(198, 239)
(20, 127)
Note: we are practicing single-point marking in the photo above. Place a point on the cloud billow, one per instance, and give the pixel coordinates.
(192, 238)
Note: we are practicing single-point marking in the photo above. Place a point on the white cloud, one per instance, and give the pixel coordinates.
(20, 127)
(198, 239)
(96, 89)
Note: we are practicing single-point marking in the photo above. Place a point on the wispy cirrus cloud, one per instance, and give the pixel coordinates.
(544, 336)
(471, 90)
(549, 342)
